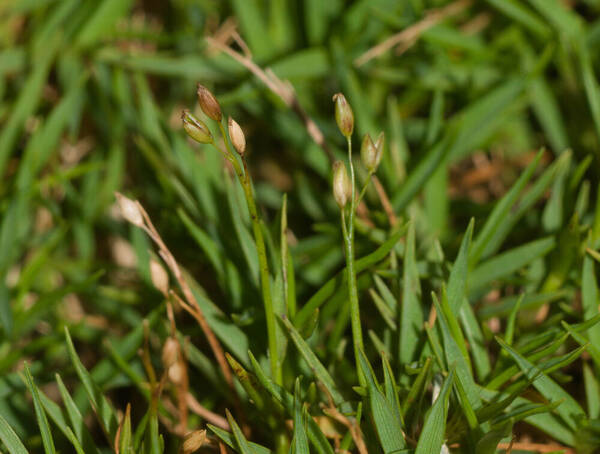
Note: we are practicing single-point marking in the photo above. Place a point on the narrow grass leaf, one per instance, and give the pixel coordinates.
(102, 408)
(40, 415)
(284, 398)
(434, 427)
(300, 440)
(569, 410)
(320, 371)
(77, 423)
(387, 422)
(411, 315)
(329, 288)
(589, 297)
(457, 281)
(505, 264)
(10, 438)
(230, 441)
(500, 211)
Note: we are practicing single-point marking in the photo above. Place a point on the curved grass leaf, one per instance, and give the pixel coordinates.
(10, 438)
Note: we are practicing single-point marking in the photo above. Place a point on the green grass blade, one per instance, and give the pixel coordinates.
(321, 373)
(434, 427)
(411, 312)
(300, 440)
(501, 209)
(387, 422)
(329, 288)
(569, 410)
(77, 423)
(40, 415)
(102, 408)
(457, 281)
(10, 438)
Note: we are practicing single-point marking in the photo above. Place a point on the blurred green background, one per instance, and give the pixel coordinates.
(90, 97)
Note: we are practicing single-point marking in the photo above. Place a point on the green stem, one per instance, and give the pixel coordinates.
(364, 189)
(348, 231)
(245, 181)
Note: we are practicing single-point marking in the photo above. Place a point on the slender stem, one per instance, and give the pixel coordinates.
(364, 188)
(245, 181)
(348, 231)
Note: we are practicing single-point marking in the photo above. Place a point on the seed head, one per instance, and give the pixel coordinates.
(176, 373)
(130, 210)
(193, 441)
(343, 115)
(159, 277)
(209, 104)
(195, 128)
(371, 153)
(342, 187)
(237, 136)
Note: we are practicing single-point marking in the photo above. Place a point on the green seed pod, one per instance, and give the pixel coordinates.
(209, 104)
(195, 128)
(343, 115)
(237, 136)
(342, 187)
(368, 152)
(379, 147)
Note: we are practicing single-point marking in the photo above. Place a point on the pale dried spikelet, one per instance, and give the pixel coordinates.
(170, 352)
(237, 136)
(130, 210)
(159, 276)
(177, 373)
(209, 104)
(193, 441)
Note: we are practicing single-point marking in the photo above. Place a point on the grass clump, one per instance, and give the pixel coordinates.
(259, 284)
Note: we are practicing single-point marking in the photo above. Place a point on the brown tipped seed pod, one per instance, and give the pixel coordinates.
(193, 441)
(343, 115)
(209, 104)
(237, 136)
(130, 210)
(195, 128)
(342, 187)
(159, 277)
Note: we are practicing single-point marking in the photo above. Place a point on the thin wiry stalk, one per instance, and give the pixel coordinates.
(348, 231)
(246, 182)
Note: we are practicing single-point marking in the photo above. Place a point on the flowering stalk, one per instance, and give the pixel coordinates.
(210, 106)
(345, 120)
(348, 232)
(344, 189)
(246, 182)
